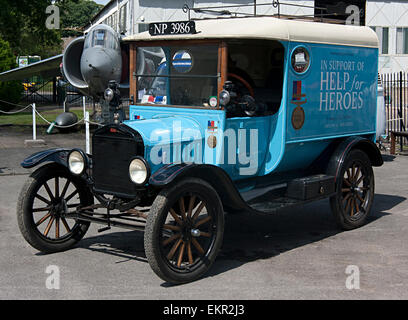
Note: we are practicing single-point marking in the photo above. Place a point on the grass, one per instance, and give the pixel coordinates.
(26, 118)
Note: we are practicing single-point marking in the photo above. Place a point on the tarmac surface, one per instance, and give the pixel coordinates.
(296, 254)
(13, 149)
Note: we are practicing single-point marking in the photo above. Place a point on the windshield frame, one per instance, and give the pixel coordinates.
(221, 67)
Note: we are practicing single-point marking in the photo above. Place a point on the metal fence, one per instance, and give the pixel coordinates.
(396, 102)
(51, 92)
(39, 90)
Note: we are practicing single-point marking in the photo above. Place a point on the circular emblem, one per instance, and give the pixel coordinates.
(298, 118)
(182, 61)
(300, 60)
(212, 141)
(213, 102)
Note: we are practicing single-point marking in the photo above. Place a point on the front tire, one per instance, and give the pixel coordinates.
(184, 231)
(354, 191)
(46, 197)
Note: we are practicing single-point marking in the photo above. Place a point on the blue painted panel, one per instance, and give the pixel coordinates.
(338, 92)
(246, 146)
(300, 155)
(174, 135)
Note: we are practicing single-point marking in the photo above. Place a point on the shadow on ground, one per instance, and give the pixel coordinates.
(388, 157)
(249, 237)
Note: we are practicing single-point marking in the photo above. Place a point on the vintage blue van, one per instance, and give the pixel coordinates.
(248, 114)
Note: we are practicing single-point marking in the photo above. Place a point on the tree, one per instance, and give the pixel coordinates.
(9, 91)
(75, 14)
(22, 25)
(23, 32)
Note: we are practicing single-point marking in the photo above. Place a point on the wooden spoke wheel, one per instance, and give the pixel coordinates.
(355, 191)
(47, 196)
(184, 231)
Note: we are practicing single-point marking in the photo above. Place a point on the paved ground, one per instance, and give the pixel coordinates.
(297, 254)
(13, 149)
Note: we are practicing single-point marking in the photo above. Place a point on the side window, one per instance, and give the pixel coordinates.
(383, 37)
(256, 68)
(402, 41)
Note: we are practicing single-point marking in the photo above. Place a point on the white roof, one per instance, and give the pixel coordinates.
(270, 28)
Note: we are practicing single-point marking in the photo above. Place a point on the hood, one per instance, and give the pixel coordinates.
(167, 129)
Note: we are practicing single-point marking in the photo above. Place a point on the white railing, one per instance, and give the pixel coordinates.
(36, 113)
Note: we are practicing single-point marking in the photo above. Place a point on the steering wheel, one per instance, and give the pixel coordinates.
(243, 82)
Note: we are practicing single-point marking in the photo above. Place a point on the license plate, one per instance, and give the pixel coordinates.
(172, 28)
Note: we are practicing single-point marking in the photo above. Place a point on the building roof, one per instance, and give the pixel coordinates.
(270, 28)
(99, 14)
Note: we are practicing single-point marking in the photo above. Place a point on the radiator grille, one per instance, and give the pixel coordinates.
(112, 150)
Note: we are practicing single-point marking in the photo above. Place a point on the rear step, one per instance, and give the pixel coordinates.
(296, 192)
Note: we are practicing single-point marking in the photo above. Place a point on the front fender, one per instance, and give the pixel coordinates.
(217, 177)
(57, 155)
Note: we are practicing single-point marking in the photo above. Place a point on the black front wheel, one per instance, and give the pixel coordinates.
(184, 231)
(47, 196)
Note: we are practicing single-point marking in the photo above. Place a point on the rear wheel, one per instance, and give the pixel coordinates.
(184, 231)
(354, 191)
(48, 194)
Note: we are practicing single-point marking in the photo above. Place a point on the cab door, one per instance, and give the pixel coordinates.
(245, 145)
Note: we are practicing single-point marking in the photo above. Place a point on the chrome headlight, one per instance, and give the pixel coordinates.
(138, 171)
(224, 97)
(76, 162)
(108, 95)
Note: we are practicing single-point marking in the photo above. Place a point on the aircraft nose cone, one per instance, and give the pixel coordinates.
(99, 66)
(93, 63)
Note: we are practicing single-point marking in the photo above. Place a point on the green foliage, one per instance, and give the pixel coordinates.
(9, 91)
(22, 24)
(75, 14)
(7, 59)
(23, 32)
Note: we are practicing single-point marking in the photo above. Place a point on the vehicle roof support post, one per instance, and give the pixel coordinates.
(168, 82)
(132, 73)
(222, 66)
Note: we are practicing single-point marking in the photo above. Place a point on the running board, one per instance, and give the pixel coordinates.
(296, 192)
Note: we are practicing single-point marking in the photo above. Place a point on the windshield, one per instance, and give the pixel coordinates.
(182, 76)
(101, 37)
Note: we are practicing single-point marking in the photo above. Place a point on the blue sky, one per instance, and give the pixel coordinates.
(102, 1)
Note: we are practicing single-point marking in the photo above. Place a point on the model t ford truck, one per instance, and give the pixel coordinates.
(248, 114)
